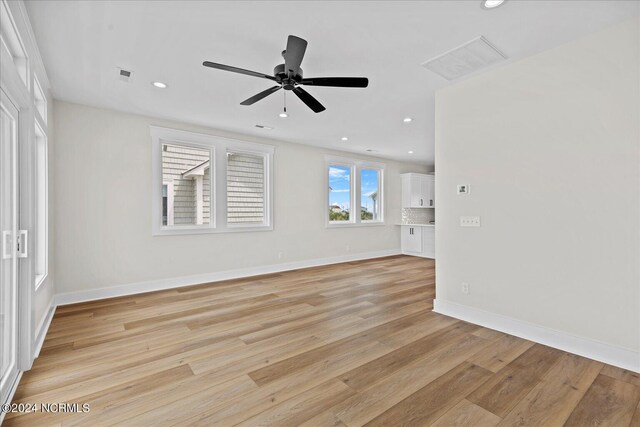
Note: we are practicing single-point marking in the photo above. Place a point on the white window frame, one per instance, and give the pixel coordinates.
(356, 166)
(218, 147)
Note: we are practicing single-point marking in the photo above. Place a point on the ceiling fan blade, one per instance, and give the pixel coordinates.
(308, 99)
(294, 53)
(259, 96)
(237, 70)
(336, 81)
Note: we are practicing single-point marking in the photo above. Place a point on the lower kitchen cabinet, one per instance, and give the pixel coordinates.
(418, 240)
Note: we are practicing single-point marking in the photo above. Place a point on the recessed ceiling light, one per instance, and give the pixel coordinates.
(407, 119)
(283, 115)
(159, 85)
(344, 138)
(410, 151)
(491, 4)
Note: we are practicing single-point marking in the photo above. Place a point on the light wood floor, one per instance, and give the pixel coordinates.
(348, 344)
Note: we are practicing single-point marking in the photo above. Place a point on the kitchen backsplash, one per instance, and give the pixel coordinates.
(417, 215)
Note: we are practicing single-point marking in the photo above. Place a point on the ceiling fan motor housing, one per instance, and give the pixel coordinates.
(279, 72)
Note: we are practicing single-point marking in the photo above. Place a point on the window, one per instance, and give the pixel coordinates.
(208, 184)
(186, 168)
(340, 193)
(369, 192)
(245, 188)
(41, 206)
(354, 192)
(40, 99)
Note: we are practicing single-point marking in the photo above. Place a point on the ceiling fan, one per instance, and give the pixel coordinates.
(288, 76)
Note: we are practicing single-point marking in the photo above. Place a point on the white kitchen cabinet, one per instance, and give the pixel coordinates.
(418, 190)
(429, 191)
(418, 240)
(411, 240)
(429, 242)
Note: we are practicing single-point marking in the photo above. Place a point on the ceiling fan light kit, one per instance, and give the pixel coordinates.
(289, 76)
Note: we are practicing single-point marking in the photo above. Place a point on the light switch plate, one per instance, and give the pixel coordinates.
(465, 288)
(469, 221)
(464, 188)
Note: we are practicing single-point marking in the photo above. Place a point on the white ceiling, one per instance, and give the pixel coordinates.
(82, 43)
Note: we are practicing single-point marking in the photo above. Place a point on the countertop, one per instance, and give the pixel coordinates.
(419, 225)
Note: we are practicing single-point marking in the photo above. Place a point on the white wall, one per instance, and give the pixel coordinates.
(551, 148)
(103, 208)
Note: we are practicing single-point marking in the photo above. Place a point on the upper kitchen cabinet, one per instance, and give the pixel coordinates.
(418, 190)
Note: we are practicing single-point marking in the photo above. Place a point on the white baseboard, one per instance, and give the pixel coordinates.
(177, 282)
(592, 349)
(41, 332)
(419, 255)
(12, 392)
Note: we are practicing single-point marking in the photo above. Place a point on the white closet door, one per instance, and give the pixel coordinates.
(8, 252)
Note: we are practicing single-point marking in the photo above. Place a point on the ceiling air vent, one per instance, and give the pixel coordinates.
(124, 75)
(466, 59)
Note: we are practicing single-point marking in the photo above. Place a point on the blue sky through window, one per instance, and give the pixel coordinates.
(369, 186)
(340, 186)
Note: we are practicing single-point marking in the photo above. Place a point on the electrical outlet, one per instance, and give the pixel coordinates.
(348, 248)
(280, 255)
(469, 221)
(465, 288)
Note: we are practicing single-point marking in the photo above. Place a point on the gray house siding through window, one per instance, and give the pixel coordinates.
(177, 161)
(245, 188)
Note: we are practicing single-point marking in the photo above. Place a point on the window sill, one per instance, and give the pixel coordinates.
(353, 224)
(202, 230)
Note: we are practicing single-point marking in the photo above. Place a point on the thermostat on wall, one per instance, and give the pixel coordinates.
(464, 188)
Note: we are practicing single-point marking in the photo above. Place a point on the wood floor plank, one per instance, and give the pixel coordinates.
(368, 374)
(467, 414)
(271, 330)
(40, 382)
(504, 350)
(164, 396)
(175, 412)
(272, 393)
(293, 364)
(110, 397)
(622, 374)
(511, 384)
(302, 407)
(337, 345)
(72, 389)
(429, 403)
(608, 402)
(325, 419)
(635, 421)
(554, 398)
(375, 400)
